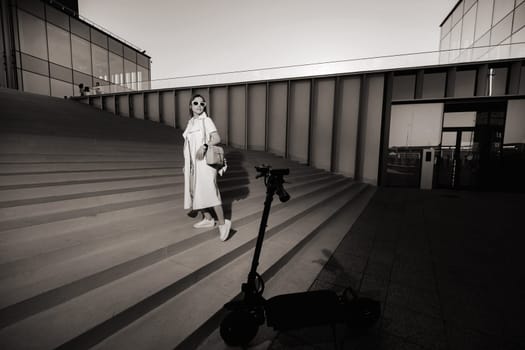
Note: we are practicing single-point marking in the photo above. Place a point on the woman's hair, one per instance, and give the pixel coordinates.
(191, 101)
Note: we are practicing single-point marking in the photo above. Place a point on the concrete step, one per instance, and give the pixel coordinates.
(24, 167)
(55, 167)
(32, 212)
(191, 308)
(28, 143)
(116, 293)
(12, 196)
(47, 179)
(38, 240)
(21, 181)
(132, 241)
(47, 193)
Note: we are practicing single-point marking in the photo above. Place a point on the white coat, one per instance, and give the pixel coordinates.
(200, 179)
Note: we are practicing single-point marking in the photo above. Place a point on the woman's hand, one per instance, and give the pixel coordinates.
(201, 152)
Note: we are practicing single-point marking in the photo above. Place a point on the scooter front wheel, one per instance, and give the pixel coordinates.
(239, 327)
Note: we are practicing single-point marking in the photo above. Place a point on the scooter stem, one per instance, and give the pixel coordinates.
(252, 275)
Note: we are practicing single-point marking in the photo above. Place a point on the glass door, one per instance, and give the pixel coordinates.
(458, 159)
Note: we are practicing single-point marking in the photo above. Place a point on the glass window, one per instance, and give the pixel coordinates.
(446, 26)
(142, 60)
(469, 23)
(100, 62)
(60, 88)
(130, 54)
(79, 28)
(57, 17)
(501, 31)
(468, 5)
(497, 82)
(61, 73)
(115, 46)
(519, 18)
(445, 43)
(143, 77)
(415, 125)
(455, 42)
(130, 74)
(455, 38)
(448, 138)
(34, 7)
(457, 14)
(501, 9)
(59, 45)
(81, 54)
(518, 37)
(522, 80)
(32, 32)
(483, 17)
(99, 38)
(404, 87)
(445, 46)
(35, 65)
(434, 85)
(482, 43)
(35, 83)
(465, 82)
(116, 68)
(81, 78)
(99, 82)
(459, 119)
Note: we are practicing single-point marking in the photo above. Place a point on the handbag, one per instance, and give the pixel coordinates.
(214, 154)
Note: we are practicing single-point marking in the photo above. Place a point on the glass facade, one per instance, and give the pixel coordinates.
(56, 52)
(59, 46)
(474, 27)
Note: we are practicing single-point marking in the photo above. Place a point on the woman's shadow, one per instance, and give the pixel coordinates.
(234, 184)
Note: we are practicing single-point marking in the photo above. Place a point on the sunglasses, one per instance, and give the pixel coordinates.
(203, 104)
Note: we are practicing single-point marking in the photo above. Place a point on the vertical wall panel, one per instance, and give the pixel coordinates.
(237, 116)
(96, 102)
(370, 130)
(277, 118)
(167, 102)
(348, 123)
(182, 98)
(257, 116)
(123, 105)
(108, 103)
(299, 118)
(322, 123)
(152, 104)
(219, 111)
(137, 102)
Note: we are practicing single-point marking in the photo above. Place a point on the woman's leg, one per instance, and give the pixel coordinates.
(206, 214)
(219, 213)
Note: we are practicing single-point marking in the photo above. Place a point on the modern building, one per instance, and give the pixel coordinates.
(48, 48)
(477, 29)
(457, 125)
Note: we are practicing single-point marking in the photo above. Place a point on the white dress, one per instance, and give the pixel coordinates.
(200, 179)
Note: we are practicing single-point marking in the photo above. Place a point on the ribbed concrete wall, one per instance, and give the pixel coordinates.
(326, 122)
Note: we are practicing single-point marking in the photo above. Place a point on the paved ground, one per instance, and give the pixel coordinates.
(447, 267)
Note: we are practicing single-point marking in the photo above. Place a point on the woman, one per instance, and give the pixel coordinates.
(200, 180)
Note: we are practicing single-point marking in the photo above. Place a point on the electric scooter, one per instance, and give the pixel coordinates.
(289, 311)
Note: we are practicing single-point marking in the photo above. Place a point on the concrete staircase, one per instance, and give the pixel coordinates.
(96, 250)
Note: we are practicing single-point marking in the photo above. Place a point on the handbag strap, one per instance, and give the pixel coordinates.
(203, 132)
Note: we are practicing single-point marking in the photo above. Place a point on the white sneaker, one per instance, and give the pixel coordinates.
(225, 230)
(204, 223)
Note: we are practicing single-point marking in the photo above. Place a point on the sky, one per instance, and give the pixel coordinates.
(187, 38)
